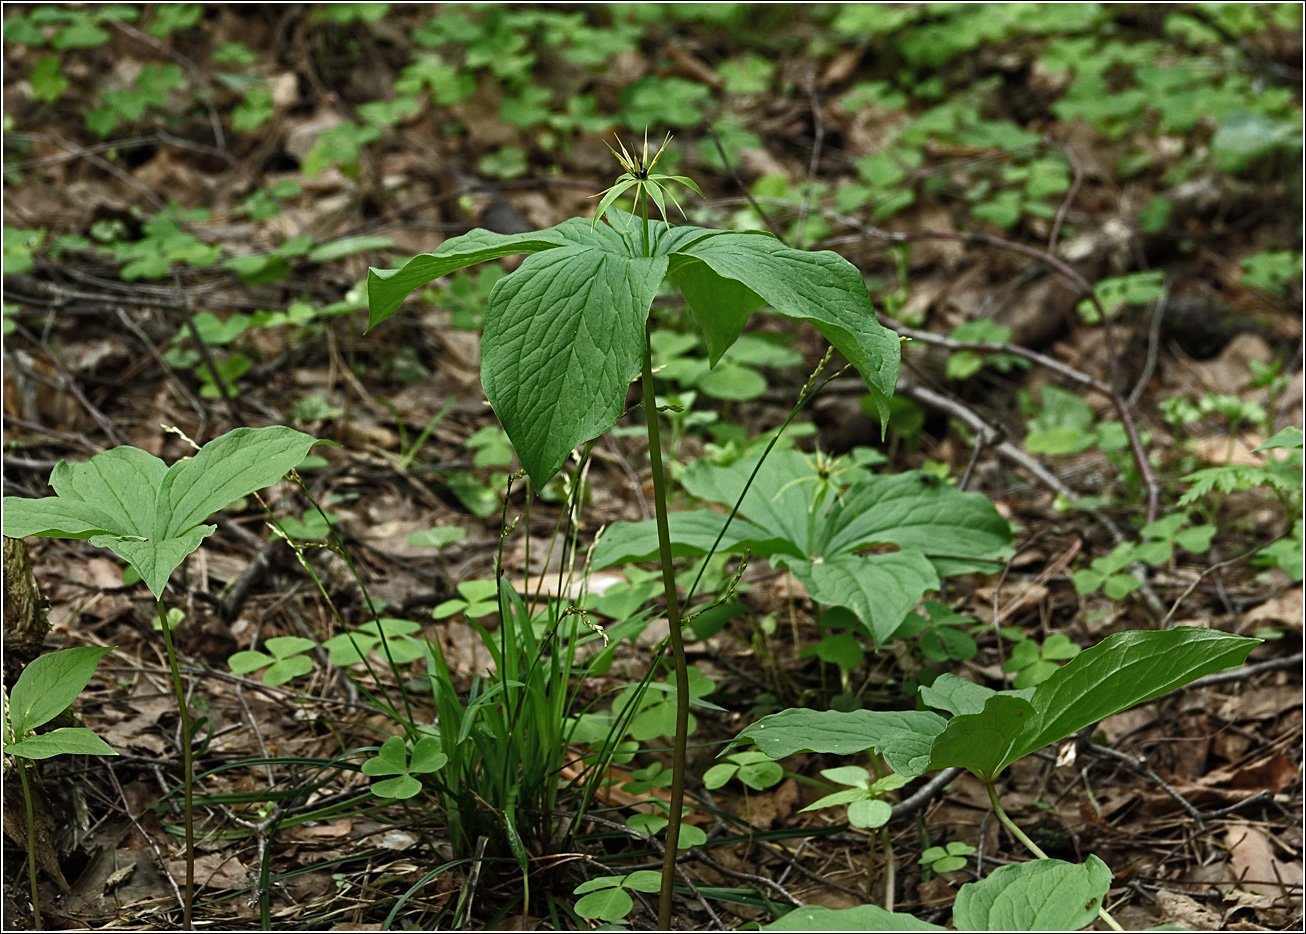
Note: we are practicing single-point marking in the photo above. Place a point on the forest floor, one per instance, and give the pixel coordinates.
(96, 354)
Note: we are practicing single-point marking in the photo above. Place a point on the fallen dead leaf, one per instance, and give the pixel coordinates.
(214, 871)
(1185, 912)
(1287, 609)
(1258, 870)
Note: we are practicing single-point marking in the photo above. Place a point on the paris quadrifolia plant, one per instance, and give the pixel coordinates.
(153, 516)
(568, 331)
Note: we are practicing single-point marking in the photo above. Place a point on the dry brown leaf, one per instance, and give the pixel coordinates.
(1186, 912)
(1258, 870)
(1287, 609)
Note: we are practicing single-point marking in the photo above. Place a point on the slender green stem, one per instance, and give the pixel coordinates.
(1033, 847)
(31, 844)
(890, 869)
(677, 643)
(187, 767)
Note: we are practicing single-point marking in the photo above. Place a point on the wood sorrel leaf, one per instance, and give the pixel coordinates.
(149, 514)
(1042, 895)
(49, 684)
(390, 759)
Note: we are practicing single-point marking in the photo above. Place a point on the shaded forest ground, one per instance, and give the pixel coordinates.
(232, 172)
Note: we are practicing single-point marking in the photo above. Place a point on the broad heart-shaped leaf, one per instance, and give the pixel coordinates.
(155, 559)
(126, 500)
(390, 759)
(878, 589)
(860, 918)
(67, 740)
(903, 737)
(982, 742)
(1123, 671)
(823, 288)
(49, 684)
(958, 695)
(564, 336)
(1043, 895)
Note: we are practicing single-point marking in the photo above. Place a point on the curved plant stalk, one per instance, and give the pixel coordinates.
(677, 643)
(1030, 845)
(31, 845)
(187, 768)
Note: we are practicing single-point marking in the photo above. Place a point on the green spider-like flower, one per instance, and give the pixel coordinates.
(638, 175)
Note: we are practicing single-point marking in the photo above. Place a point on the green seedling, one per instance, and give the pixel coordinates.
(401, 637)
(43, 691)
(286, 662)
(567, 332)
(800, 516)
(939, 634)
(756, 770)
(948, 858)
(393, 759)
(989, 730)
(1159, 540)
(1036, 663)
(153, 516)
(690, 836)
(606, 899)
(865, 802)
(1281, 475)
(479, 599)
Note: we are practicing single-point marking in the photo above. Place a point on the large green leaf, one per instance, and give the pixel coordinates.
(128, 501)
(879, 589)
(228, 467)
(564, 336)
(692, 533)
(68, 740)
(822, 288)
(121, 482)
(982, 742)
(901, 736)
(1043, 895)
(779, 499)
(858, 918)
(1123, 671)
(387, 288)
(916, 514)
(49, 684)
(155, 558)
